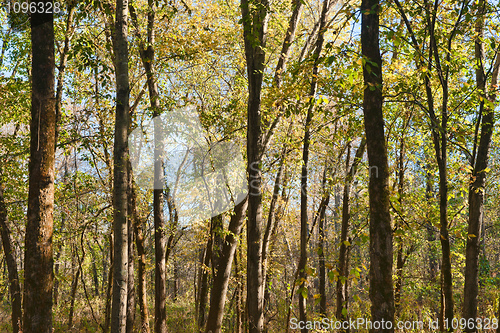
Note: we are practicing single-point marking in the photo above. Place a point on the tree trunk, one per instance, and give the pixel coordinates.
(131, 301)
(478, 177)
(304, 228)
(221, 279)
(254, 33)
(120, 181)
(270, 231)
(400, 256)
(63, 59)
(95, 278)
(431, 238)
(141, 283)
(217, 241)
(141, 255)
(381, 287)
(147, 53)
(287, 42)
(74, 286)
(109, 287)
(203, 283)
(321, 244)
(10, 258)
(343, 267)
(239, 291)
(38, 273)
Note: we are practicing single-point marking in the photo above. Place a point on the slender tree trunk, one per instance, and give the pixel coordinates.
(95, 278)
(400, 258)
(269, 233)
(255, 34)
(109, 286)
(63, 58)
(120, 181)
(11, 261)
(321, 244)
(147, 53)
(141, 287)
(38, 273)
(141, 255)
(304, 228)
(287, 42)
(478, 177)
(431, 238)
(221, 279)
(399, 275)
(56, 263)
(239, 292)
(381, 287)
(342, 290)
(131, 301)
(203, 284)
(217, 236)
(74, 286)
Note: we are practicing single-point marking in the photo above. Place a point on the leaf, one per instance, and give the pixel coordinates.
(303, 292)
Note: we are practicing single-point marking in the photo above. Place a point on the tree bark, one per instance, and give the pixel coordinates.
(255, 34)
(343, 267)
(270, 231)
(109, 287)
(141, 255)
(381, 286)
(478, 177)
(10, 258)
(321, 244)
(63, 59)
(38, 274)
(203, 283)
(120, 181)
(141, 277)
(221, 279)
(287, 42)
(400, 256)
(131, 301)
(74, 286)
(239, 291)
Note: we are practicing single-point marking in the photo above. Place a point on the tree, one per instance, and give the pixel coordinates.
(304, 229)
(479, 163)
(10, 258)
(120, 172)
(255, 19)
(223, 273)
(147, 54)
(38, 272)
(440, 133)
(343, 262)
(381, 288)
